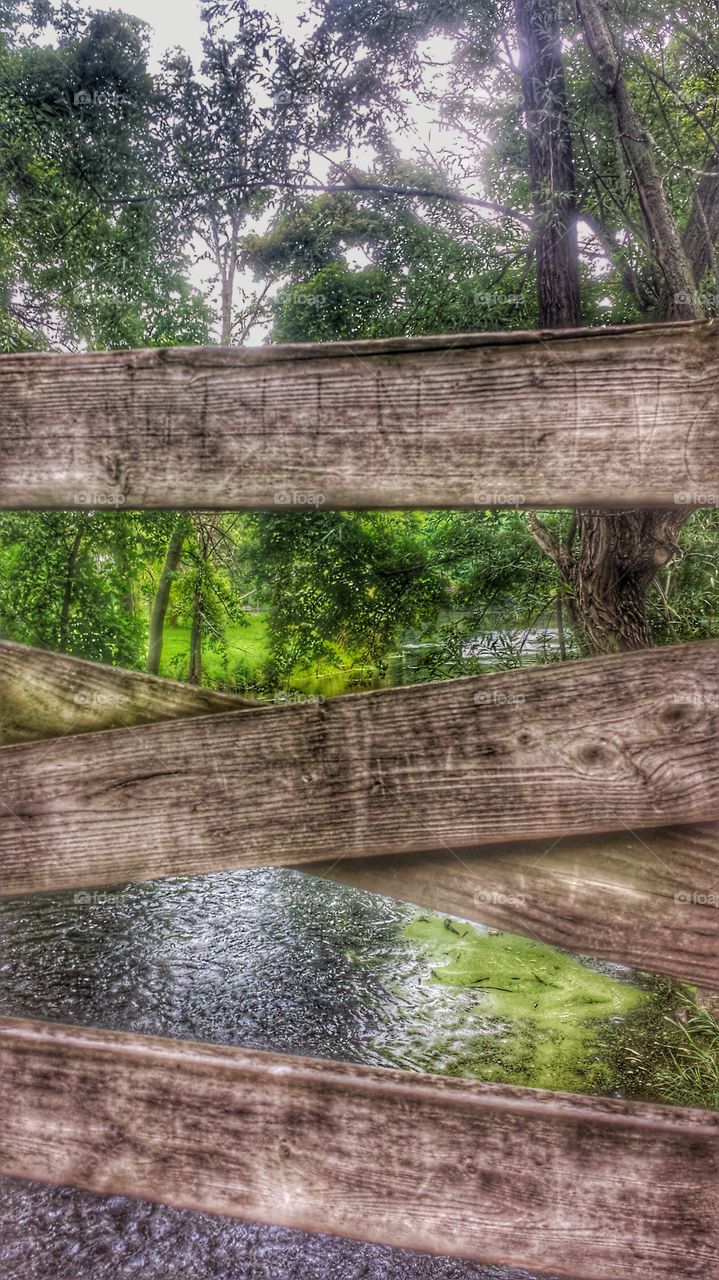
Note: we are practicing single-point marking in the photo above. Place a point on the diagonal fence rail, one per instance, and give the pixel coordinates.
(645, 899)
(626, 741)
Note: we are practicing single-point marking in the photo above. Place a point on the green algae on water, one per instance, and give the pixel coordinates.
(537, 1012)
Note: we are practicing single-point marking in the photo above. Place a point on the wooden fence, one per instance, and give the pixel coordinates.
(588, 772)
(592, 417)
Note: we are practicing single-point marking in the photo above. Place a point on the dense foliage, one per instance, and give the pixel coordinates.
(291, 189)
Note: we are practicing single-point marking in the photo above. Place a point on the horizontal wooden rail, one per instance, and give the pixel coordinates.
(587, 417)
(607, 743)
(580, 1186)
(649, 900)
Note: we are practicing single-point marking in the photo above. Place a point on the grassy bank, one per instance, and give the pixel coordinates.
(246, 646)
(239, 662)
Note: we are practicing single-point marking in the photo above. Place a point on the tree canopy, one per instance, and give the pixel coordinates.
(382, 168)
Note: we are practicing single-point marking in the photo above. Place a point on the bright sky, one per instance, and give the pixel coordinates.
(177, 22)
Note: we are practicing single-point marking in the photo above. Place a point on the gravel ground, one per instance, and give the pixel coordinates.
(57, 1233)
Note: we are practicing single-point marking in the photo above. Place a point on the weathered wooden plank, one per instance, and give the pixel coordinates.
(650, 900)
(625, 741)
(45, 695)
(619, 415)
(581, 1186)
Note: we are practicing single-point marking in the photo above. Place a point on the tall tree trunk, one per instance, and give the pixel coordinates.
(226, 262)
(639, 155)
(551, 162)
(194, 674)
(551, 170)
(162, 596)
(204, 530)
(225, 255)
(609, 558)
(68, 590)
(702, 228)
(623, 551)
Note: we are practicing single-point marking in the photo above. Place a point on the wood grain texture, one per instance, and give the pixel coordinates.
(649, 900)
(583, 1187)
(613, 416)
(46, 695)
(607, 743)
(642, 900)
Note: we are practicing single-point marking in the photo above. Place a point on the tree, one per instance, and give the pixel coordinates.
(608, 561)
(162, 595)
(64, 583)
(228, 143)
(551, 163)
(86, 261)
(224, 151)
(620, 552)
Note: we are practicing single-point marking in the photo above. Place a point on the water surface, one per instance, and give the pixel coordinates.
(275, 960)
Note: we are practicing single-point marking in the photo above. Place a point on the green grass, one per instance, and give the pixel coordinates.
(246, 645)
(690, 1076)
(245, 653)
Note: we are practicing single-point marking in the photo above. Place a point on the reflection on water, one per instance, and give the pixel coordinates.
(265, 959)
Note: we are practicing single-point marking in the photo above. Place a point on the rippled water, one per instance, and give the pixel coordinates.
(265, 959)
